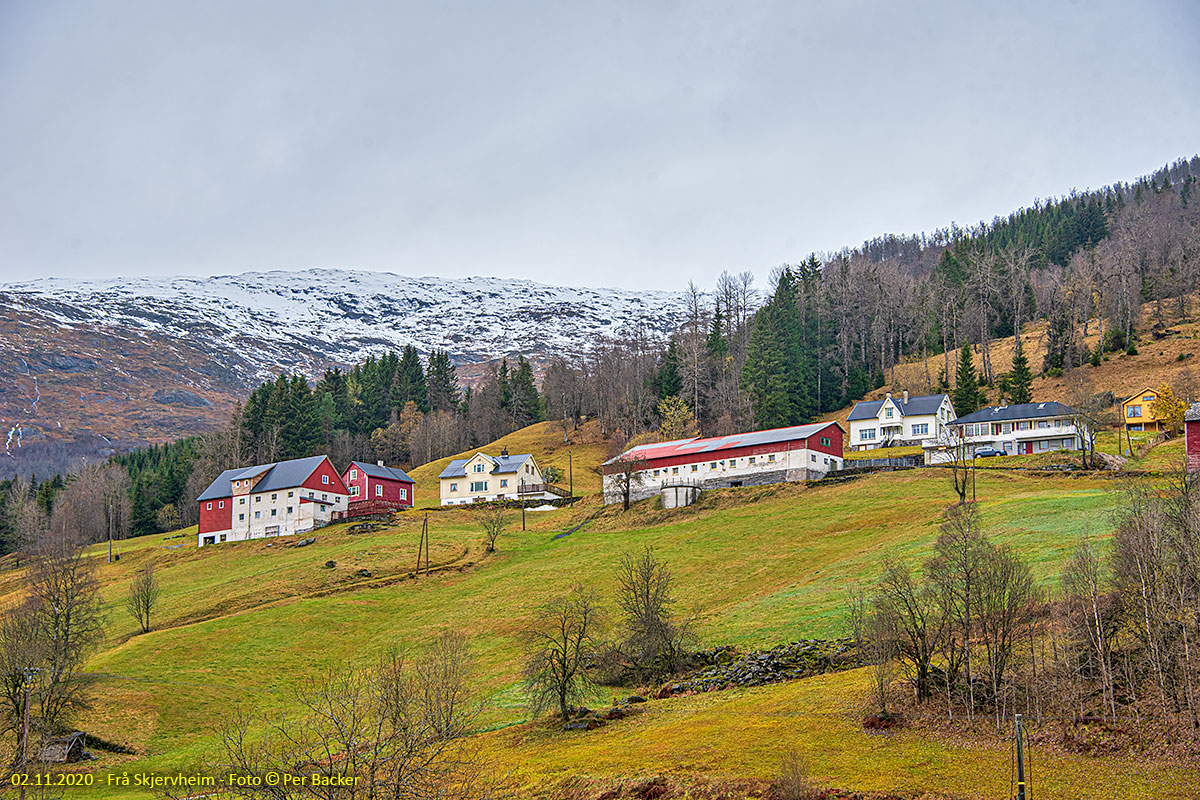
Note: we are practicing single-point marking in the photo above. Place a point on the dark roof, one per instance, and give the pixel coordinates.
(916, 406)
(380, 471)
(1192, 414)
(280, 475)
(501, 465)
(1019, 411)
(696, 445)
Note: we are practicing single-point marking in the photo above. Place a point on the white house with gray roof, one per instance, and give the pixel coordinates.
(1022, 429)
(482, 478)
(896, 421)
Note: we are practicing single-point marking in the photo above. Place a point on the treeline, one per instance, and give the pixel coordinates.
(1113, 641)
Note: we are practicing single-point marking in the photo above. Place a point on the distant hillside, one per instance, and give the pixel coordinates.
(102, 366)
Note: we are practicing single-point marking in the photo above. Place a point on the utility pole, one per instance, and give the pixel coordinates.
(522, 496)
(30, 672)
(571, 473)
(1020, 761)
(110, 514)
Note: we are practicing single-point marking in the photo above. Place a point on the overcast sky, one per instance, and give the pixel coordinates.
(636, 144)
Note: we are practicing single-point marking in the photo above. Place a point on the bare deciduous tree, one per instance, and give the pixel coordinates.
(143, 596)
(559, 645)
(655, 641)
(493, 519)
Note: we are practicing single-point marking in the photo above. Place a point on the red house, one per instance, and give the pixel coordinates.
(1191, 427)
(389, 487)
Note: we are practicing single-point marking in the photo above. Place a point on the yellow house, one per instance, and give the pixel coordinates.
(1138, 412)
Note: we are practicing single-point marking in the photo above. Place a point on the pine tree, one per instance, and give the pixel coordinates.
(1020, 380)
(410, 384)
(778, 373)
(666, 381)
(968, 396)
(442, 383)
(527, 407)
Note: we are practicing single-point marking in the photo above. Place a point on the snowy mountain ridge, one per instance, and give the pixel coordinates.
(343, 315)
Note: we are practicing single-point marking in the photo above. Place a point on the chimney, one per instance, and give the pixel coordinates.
(380, 463)
(906, 397)
(889, 395)
(504, 453)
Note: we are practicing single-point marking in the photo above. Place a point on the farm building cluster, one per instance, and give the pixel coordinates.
(291, 497)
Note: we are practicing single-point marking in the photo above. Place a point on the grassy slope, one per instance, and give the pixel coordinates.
(755, 566)
(545, 441)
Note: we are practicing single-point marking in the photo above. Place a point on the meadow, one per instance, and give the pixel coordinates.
(240, 627)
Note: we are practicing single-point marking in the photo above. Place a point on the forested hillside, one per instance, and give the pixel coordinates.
(825, 332)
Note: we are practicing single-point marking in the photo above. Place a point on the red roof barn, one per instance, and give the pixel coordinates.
(1191, 425)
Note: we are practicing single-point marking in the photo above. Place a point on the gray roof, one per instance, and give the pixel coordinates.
(1021, 411)
(1192, 414)
(916, 406)
(501, 465)
(281, 475)
(380, 471)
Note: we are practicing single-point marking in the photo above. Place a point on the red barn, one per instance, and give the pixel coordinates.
(388, 487)
(1191, 427)
(278, 499)
(801, 452)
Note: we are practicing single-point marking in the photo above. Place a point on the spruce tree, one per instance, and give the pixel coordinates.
(1020, 380)
(442, 383)
(526, 402)
(666, 381)
(968, 396)
(409, 385)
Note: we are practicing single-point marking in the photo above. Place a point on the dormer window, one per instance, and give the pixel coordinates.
(325, 479)
(888, 413)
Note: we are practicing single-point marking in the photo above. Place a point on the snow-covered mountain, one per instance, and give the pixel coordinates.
(94, 365)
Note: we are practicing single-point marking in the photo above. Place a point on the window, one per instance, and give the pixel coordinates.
(477, 468)
(695, 467)
(324, 497)
(674, 470)
(1133, 411)
(1023, 426)
(257, 514)
(713, 465)
(221, 504)
(454, 487)
(814, 457)
(771, 457)
(404, 494)
(311, 493)
(752, 459)
(921, 429)
(354, 490)
(222, 537)
(258, 499)
(208, 507)
(379, 490)
(888, 414)
(1148, 398)
(274, 512)
(504, 483)
(866, 434)
(478, 486)
(825, 441)
(290, 494)
(353, 474)
(290, 509)
(656, 473)
(242, 501)
(1007, 427)
(274, 497)
(325, 479)
(1043, 423)
(241, 517)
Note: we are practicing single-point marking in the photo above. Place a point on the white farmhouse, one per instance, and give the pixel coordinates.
(482, 478)
(1021, 429)
(895, 421)
(278, 499)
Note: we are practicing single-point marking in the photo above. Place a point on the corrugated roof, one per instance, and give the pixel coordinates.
(1051, 408)
(696, 445)
(1192, 414)
(501, 465)
(380, 471)
(926, 404)
(280, 475)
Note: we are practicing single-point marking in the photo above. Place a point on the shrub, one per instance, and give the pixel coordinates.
(793, 782)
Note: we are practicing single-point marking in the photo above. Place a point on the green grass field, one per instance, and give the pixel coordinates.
(241, 626)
